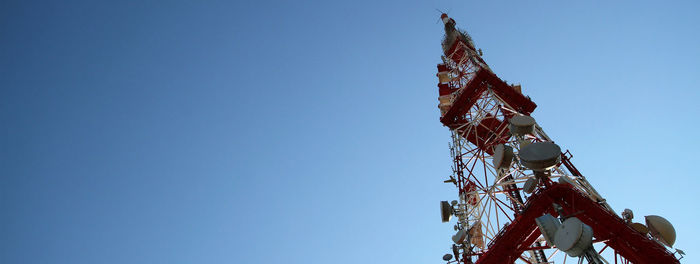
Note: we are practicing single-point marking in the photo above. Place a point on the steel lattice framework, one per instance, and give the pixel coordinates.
(476, 106)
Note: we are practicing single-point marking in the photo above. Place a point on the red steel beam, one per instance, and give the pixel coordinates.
(465, 99)
(515, 99)
(482, 80)
(509, 244)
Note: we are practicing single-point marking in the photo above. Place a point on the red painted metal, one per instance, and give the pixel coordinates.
(484, 79)
(446, 88)
(464, 100)
(489, 132)
(510, 243)
(509, 95)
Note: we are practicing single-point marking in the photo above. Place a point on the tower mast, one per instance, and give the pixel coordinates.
(521, 199)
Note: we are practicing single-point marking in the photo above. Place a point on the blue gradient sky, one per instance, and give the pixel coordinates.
(307, 132)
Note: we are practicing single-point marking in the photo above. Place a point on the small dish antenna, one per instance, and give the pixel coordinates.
(540, 156)
(446, 211)
(548, 225)
(459, 237)
(447, 257)
(641, 228)
(530, 185)
(502, 156)
(521, 125)
(574, 237)
(661, 229)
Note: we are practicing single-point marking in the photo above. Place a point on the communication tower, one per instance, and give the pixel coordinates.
(521, 199)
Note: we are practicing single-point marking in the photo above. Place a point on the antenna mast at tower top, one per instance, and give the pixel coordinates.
(521, 199)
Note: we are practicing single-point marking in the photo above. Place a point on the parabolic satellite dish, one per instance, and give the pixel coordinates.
(521, 125)
(459, 237)
(661, 229)
(445, 211)
(641, 228)
(502, 156)
(574, 237)
(530, 185)
(548, 225)
(540, 156)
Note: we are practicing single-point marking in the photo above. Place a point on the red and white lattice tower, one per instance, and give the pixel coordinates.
(521, 199)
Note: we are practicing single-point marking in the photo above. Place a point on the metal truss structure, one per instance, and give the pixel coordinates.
(494, 210)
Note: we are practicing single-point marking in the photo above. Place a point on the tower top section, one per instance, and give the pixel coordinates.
(452, 34)
(465, 77)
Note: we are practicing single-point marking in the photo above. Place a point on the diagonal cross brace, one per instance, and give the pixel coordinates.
(607, 227)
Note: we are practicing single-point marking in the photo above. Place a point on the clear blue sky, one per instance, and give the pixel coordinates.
(307, 132)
